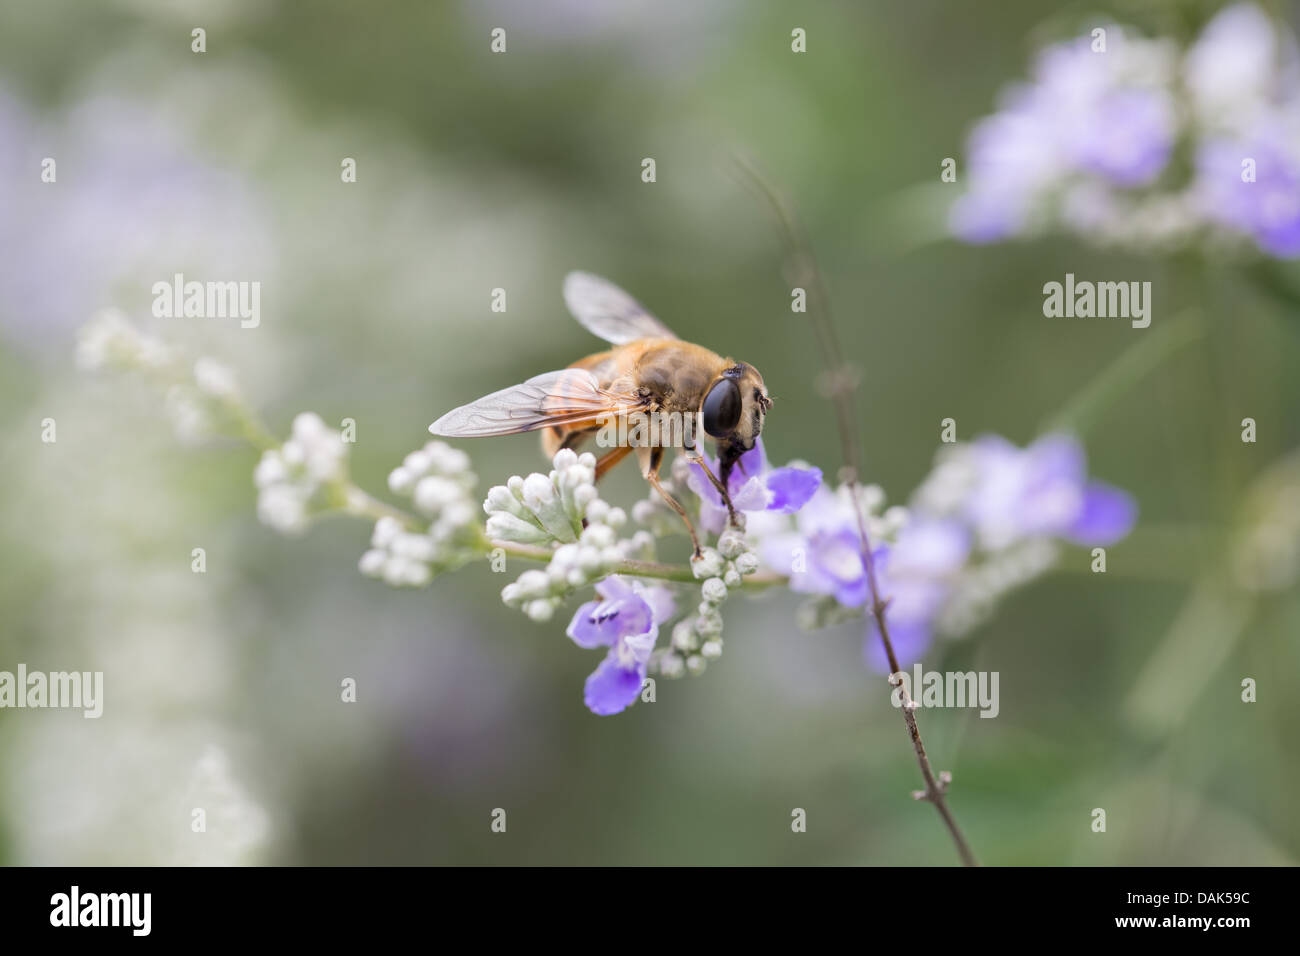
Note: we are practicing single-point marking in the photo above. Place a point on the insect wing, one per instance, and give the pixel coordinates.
(607, 311)
(568, 397)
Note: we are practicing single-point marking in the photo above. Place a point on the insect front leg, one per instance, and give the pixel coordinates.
(650, 458)
(695, 458)
(611, 458)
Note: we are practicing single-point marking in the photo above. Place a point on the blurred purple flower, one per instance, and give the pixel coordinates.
(982, 499)
(132, 204)
(1267, 207)
(626, 619)
(1083, 114)
(915, 576)
(1042, 491)
(754, 486)
(824, 554)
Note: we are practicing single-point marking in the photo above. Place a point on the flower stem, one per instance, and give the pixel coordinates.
(638, 569)
(804, 271)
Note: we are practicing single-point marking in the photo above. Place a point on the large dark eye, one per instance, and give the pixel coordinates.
(721, 408)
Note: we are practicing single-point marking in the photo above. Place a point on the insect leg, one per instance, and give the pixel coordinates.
(696, 458)
(651, 458)
(610, 459)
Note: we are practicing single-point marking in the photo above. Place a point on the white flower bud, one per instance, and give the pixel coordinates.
(458, 514)
(696, 664)
(872, 498)
(708, 565)
(684, 636)
(587, 460)
(533, 583)
(731, 578)
(672, 666)
(591, 560)
(895, 518)
(597, 511)
(269, 470)
(599, 536)
(564, 458)
(372, 563)
(386, 530)
(308, 427)
(566, 556)
(585, 497)
(445, 460)
(708, 623)
(747, 563)
(433, 493)
(395, 572)
(281, 507)
(577, 476)
(214, 379)
(293, 453)
(417, 575)
(500, 498)
(731, 543)
(714, 591)
(711, 650)
(509, 528)
(540, 610)
(616, 518)
(538, 491)
(414, 547)
(400, 480)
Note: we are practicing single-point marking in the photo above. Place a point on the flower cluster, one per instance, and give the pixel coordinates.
(110, 341)
(200, 400)
(294, 480)
(625, 619)
(1091, 144)
(985, 521)
(753, 486)
(562, 511)
(438, 480)
(561, 508)
(697, 639)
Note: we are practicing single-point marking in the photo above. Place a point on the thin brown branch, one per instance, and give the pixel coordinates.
(841, 384)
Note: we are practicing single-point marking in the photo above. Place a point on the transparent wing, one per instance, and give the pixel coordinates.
(606, 310)
(568, 397)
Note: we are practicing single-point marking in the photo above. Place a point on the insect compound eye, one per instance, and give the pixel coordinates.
(721, 408)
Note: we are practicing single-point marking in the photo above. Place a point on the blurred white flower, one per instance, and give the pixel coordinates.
(289, 479)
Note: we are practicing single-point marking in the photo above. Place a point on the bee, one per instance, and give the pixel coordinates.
(651, 391)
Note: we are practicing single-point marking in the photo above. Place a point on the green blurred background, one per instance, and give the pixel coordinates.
(478, 171)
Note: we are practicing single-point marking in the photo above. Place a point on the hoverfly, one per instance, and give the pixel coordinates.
(650, 375)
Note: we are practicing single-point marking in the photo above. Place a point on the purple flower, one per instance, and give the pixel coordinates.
(824, 554)
(626, 620)
(1042, 491)
(1086, 116)
(1237, 65)
(1126, 137)
(960, 542)
(753, 486)
(915, 574)
(1265, 206)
